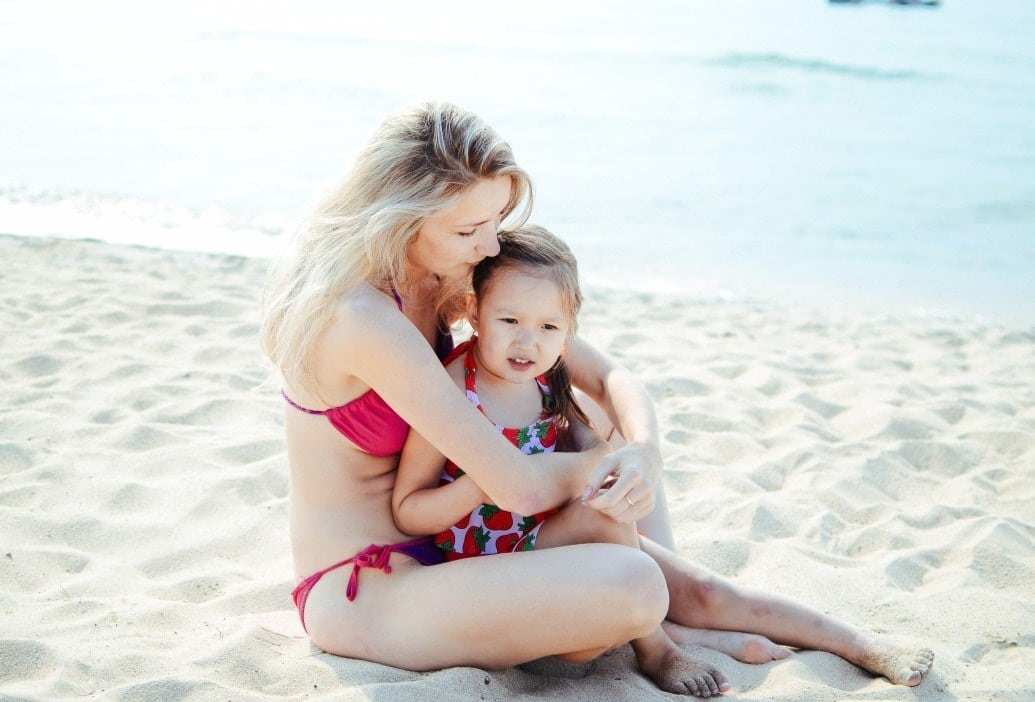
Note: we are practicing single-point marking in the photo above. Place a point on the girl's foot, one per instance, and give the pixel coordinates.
(902, 665)
(746, 648)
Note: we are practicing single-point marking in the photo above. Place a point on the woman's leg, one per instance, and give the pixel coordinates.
(699, 598)
(492, 612)
(660, 659)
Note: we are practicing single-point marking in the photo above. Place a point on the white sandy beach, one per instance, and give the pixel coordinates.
(880, 467)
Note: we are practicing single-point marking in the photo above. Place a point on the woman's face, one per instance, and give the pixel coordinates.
(451, 243)
(521, 323)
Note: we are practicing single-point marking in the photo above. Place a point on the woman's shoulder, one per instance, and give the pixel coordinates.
(362, 317)
(365, 299)
(365, 309)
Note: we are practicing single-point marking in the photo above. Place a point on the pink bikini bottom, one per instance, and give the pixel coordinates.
(422, 550)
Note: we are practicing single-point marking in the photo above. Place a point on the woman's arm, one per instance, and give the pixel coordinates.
(636, 467)
(419, 505)
(370, 339)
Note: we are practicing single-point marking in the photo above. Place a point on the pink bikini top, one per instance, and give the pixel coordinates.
(368, 421)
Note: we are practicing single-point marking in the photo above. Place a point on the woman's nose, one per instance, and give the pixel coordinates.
(489, 245)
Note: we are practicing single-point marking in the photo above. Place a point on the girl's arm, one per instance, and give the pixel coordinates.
(420, 506)
(370, 339)
(636, 467)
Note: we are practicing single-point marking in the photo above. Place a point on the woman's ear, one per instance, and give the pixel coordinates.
(472, 311)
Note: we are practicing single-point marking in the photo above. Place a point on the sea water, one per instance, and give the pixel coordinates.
(795, 149)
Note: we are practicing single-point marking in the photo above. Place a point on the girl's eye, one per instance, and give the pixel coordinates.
(508, 320)
(550, 327)
(470, 233)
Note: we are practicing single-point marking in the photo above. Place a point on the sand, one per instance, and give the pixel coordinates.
(880, 466)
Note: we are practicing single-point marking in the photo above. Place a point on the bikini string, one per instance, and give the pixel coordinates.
(373, 556)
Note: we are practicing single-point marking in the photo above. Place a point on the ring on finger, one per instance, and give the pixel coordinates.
(629, 500)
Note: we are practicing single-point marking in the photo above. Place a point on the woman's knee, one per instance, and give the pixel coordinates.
(639, 592)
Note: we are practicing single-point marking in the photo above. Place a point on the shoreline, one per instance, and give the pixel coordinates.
(875, 465)
(261, 240)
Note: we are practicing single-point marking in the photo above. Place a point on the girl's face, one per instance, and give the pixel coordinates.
(521, 323)
(451, 243)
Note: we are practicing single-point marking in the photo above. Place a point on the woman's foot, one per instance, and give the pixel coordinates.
(673, 670)
(746, 648)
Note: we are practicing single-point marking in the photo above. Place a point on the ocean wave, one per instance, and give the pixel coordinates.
(1007, 211)
(813, 66)
(589, 49)
(74, 214)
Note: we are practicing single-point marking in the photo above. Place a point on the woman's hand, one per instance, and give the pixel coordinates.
(472, 492)
(623, 484)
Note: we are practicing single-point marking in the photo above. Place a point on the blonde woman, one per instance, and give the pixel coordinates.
(356, 320)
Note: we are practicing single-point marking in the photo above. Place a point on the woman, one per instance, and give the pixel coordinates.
(356, 321)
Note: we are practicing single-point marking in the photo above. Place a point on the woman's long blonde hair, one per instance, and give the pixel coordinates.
(415, 165)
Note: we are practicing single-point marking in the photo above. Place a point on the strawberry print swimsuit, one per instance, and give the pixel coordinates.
(489, 529)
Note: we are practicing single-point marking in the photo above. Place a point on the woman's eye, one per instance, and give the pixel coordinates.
(550, 327)
(470, 233)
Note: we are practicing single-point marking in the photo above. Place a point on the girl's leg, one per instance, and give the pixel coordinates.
(578, 524)
(701, 599)
(747, 648)
(491, 612)
(657, 526)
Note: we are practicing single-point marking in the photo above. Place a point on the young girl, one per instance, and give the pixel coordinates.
(524, 308)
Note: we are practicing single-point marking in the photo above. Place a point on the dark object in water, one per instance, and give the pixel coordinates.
(923, 3)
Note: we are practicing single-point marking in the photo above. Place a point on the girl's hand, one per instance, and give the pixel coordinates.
(622, 485)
